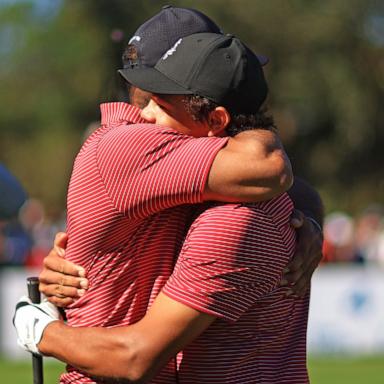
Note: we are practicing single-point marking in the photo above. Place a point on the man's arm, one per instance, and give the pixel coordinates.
(308, 252)
(229, 274)
(136, 352)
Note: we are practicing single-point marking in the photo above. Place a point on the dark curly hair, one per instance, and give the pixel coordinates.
(199, 108)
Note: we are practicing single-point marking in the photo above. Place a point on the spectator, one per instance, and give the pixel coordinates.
(369, 234)
(338, 238)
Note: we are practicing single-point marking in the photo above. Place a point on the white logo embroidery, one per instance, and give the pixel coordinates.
(172, 50)
(134, 38)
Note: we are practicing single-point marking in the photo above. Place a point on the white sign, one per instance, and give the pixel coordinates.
(13, 285)
(347, 310)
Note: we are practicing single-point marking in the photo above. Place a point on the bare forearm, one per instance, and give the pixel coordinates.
(101, 352)
(253, 167)
(135, 352)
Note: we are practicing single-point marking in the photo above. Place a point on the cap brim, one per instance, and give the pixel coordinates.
(151, 80)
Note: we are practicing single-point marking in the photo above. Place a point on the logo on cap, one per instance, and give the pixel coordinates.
(172, 50)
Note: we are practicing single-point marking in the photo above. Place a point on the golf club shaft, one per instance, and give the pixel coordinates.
(37, 361)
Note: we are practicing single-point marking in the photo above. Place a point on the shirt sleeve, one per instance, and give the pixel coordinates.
(232, 256)
(147, 168)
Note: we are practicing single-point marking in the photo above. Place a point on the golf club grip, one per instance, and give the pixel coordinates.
(37, 361)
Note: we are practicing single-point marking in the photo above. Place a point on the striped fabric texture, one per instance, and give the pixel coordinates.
(133, 192)
(230, 266)
(127, 216)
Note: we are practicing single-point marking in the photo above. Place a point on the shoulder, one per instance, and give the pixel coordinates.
(223, 214)
(227, 226)
(242, 225)
(130, 139)
(234, 215)
(144, 136)
(134, 131)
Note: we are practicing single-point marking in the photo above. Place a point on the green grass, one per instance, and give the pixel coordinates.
(325, 370)
(20, 372)
(341, 370)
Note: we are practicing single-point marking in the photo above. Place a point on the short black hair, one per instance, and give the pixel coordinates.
(199, 108)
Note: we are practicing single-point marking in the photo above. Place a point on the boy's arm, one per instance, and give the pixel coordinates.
(164, 169)
(252, 167)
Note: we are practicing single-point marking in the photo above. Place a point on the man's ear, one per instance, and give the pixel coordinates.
(218, 120)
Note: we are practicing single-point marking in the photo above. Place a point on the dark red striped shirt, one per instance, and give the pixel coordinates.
(230, 267)
(127, 216)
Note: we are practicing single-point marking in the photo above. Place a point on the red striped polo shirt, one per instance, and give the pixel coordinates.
(128, 215)
(230, 266)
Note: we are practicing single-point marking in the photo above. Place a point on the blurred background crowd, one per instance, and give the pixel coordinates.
(58, 61)
(27, 238)
(355, 239)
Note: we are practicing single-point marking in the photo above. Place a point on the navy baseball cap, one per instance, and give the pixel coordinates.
(160, 33)
(216, 66)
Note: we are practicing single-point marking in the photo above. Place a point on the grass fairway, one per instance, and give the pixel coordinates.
(325, 370)
(20, 372)
(341, 370)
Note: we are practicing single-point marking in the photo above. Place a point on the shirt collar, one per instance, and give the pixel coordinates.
(118, 112)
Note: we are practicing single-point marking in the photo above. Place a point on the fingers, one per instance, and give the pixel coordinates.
(308, 254)
(61, 281)
(48, 276)
(299, 280)
(303, 283)
(61, 295)
(62, 291)
(61, 302)
(55, 263)
(300, 289)
(296, 263)
(294, 277)
(299, 260)
(60, 243)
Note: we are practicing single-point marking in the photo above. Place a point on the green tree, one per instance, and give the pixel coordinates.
(325, 75)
